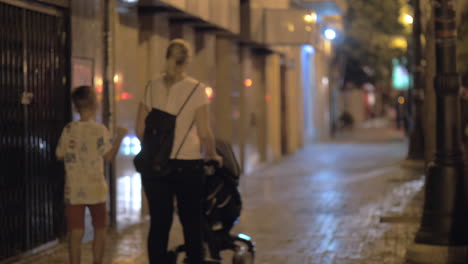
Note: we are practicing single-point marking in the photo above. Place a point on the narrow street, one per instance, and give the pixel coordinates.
(345, 201)
(333, 108)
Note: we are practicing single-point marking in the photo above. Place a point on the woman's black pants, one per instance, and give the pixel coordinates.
(185, 182)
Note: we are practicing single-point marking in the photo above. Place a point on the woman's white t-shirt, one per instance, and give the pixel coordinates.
(171, 100)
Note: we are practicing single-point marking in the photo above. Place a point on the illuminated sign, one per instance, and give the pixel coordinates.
(400, 76)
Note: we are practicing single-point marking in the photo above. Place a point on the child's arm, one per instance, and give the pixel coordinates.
(110, 155)
(60, 150)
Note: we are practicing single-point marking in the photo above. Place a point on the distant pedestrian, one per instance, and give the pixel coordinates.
(83, 146)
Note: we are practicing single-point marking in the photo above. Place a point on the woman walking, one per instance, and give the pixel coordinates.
(176, 93)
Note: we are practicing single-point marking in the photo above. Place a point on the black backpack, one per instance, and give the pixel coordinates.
(158, 141)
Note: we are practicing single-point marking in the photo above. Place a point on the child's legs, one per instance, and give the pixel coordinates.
(99, 215)
(75, 225)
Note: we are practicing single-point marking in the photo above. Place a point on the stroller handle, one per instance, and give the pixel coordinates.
(211, 166)
(212, 163)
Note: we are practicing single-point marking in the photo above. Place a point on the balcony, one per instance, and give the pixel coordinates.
(278, 26)
(290, 27)
(217, 15)
(324, 7)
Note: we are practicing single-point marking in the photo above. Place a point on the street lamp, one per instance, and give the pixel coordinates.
(415, 156)
(330, 34)
(408, 19)
(311, 18)
(443, 233)
(447, 204)
(405, 18)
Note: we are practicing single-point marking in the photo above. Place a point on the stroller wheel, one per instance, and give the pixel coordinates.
(242, 256)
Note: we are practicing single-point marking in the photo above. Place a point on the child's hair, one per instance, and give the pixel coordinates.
(84, 97)
(183, 46)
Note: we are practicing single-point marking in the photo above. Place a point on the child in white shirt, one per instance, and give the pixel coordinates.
(84, 145)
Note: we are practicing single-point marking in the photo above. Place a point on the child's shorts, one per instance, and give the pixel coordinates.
(76, 215)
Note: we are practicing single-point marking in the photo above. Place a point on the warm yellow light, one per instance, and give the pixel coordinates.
(209, 92)
(99, 82)
(314, 16)
(401, 100)
(248, 82)
(116, 78)
(399, 43)
(405, 18)
(327, 46)
(308, 28)
(408, 19)
(310, 18)
(291, 27)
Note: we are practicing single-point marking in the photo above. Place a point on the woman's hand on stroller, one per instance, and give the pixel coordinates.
(212, 163)
(214, 160)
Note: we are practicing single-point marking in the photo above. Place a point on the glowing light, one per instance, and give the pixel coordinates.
(310, 18)
(405, 18)
(291, 27)
(135, 141)
(371, 98)
(99, 89)
(136, 149)
(399, 42)
(126, 96)
(248, 82)
(99, 82)
(209, 92)
(130, 146)
(328, 46)
(401, 100)
(244, 236)
(308, 28)
(267, 97)
(308, 48)
(126, 141)
(116, 78)
(400, 76)
(408, 19)
(330, 34)
(325, 81)
(126, 150)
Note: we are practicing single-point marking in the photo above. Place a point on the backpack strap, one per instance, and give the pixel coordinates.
(188, 98)
(185, 137)
(193, 121)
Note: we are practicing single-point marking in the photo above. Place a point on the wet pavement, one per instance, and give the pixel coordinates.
(344, 201)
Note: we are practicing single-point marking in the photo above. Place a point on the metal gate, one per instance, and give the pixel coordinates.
(34, 107)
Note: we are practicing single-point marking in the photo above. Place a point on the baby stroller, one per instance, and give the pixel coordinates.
(222, 207)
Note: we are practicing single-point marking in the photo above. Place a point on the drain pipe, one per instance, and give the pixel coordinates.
(107, 102)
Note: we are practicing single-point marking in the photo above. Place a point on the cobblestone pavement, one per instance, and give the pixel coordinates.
(343, 202)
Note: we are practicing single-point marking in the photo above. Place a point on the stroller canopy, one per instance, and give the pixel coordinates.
(229, 159)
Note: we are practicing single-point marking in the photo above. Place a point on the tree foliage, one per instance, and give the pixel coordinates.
(370, 26)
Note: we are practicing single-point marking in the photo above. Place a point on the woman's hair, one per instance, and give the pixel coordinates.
(184, 48)
(84, 97)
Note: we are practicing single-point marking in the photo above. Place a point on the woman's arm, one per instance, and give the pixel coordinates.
(202, 119)
(140, 121)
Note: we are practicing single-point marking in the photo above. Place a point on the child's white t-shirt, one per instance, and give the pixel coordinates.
(82, 146)
(158, 96)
